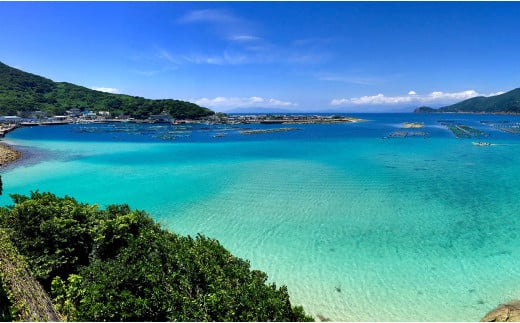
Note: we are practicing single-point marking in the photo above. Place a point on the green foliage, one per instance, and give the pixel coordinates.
(116, 228)
(53, 233)
(508, 102)
(68, 293)
(25, 92)
(118, 264)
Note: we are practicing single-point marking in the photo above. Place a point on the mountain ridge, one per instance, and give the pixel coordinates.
(506, 103)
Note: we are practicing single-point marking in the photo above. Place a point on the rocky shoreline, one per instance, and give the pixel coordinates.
(509, 312)
(8, 155)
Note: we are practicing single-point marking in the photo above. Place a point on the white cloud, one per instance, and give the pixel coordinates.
(243, 102)
(436, 97)
(106, 89)
(208, 15)
(244, 38)
(201, 59)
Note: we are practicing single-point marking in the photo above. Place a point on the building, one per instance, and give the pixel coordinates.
(11, 119)
(89, 115)
(74, 112)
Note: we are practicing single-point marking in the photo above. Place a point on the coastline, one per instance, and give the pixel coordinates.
(8, 155)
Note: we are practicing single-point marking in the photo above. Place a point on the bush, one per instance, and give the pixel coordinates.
(117, 264)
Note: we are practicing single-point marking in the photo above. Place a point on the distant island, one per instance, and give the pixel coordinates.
(506, 103)
(28, 95)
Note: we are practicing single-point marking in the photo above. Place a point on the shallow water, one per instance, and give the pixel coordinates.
(358, 227)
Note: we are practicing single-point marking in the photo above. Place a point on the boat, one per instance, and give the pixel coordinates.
(480, 143)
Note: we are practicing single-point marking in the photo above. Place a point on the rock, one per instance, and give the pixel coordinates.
(509, 312)
(8, 154)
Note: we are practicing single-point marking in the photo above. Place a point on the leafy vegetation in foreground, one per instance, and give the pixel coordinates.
(508, 102)
(118, 264)
(24, 92)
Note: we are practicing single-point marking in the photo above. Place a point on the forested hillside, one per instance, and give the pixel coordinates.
(22, 92)
(508, 102)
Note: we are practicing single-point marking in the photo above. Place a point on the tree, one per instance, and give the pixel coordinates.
(54, 233)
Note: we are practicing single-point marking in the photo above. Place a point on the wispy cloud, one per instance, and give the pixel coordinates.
(241, 43)
(106, 89)
(244, 38)
(243, 55)
(361, 80)
(436, 97)
(164, 54)
(224, 24)
(208, 15)
(202, 59)
(242, 102)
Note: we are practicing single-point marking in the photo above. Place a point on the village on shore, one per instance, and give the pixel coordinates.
(76, 116)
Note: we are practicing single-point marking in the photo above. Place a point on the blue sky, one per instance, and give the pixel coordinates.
(294, 56)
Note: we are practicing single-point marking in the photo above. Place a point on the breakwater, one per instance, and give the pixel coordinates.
(4, 129)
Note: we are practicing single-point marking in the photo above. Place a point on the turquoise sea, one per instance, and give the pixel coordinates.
(358, 226)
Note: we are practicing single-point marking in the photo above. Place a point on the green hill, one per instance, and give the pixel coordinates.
(508, 102)
(22, 92)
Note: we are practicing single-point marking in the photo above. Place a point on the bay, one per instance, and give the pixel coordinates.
(360, 226)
